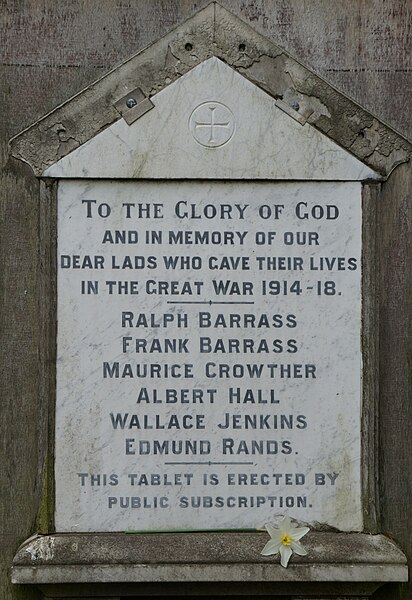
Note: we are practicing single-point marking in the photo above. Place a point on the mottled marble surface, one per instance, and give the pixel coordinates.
(212, 123)
(314, 329)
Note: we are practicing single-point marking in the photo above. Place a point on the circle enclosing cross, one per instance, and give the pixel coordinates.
(212, 124)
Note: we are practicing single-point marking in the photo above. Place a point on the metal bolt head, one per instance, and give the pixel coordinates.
(295, 105)
(131, 102)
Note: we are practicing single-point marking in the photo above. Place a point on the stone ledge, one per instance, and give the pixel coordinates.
(205, 556)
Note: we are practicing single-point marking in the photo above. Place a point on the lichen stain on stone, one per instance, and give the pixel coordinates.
(41, 550)
(389, 163)
(333, 113)
(269, 73)
(307, 105)
(176, 64)
(67, 146)
(67, 142)
(60, 130)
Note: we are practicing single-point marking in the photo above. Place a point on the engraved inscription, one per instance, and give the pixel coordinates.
(212, 124)
(208, 354)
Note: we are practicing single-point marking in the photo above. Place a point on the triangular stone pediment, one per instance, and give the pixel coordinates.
(212, 123)
(172, 74)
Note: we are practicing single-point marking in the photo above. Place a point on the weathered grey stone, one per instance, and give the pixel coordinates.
(160, 145)
(64, 47)
(336, 556)
(212, 32)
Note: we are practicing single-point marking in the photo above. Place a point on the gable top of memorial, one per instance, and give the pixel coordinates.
(211, 123)
(211, 99)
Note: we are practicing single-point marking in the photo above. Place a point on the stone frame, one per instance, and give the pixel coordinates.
(214, 31)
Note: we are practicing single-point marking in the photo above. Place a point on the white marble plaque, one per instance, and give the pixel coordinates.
(209, 364)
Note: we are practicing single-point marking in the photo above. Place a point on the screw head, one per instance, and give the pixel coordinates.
(131, 102)
(295, 105)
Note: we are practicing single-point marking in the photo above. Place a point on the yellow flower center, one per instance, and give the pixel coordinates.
(285, 540)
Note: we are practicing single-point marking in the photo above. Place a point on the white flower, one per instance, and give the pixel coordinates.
(285, 540)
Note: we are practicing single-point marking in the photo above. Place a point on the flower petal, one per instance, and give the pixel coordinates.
(285, 525)
(285, 554)
(298, 548)
(298, 533)
(272, 547)
(272, 531)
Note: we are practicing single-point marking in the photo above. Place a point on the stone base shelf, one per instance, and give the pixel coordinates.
(338, 565)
